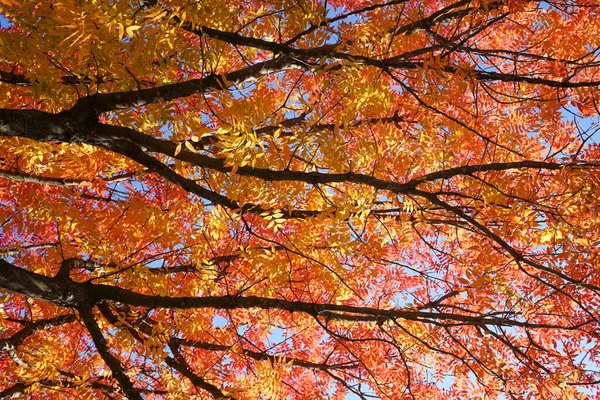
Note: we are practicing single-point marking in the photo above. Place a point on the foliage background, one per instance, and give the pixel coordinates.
(299, 199)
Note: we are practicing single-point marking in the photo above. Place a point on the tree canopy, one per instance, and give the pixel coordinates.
(299, 199)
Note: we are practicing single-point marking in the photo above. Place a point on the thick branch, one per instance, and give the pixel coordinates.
(56, 127)
(18, 388)
(14, 79)
(62, 292)
(130, 143)
(394, 62)
(20, 176)
(169, 148)
(471, 169)
(443, 15)
(111, 361)
(26, 247)
(45, 127)
(43, 180)
(15, 340)
(57, 290)
(514, 253)
(177, 363)
(101, 103)
(134, 152)
(145, 326)
(71, 80)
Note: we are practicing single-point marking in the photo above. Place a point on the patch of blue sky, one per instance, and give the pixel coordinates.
(118, 191)
(5, 22)
(276, 336)
(243, 90)
(588, 127)
(242, 329)
(584, 359)
(155, 264)
(333, 12)
(219, 321)
(364, 390)
(544, 5)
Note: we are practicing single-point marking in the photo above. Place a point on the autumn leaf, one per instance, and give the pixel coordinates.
(299, 200)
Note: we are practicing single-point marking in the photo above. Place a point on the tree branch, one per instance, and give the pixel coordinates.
(103, 102)
(44, 180)
(16, 339)
(67, 293)
(145, 326)
(177, 363)
(111, 361)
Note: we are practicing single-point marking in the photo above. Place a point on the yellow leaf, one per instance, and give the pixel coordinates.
(189, 146)
(178, 149)
(131, 29)
(157, 14)
(121, 31)
(582, 241)
(546, 237)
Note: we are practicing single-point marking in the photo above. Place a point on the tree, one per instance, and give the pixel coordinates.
(299, 199)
